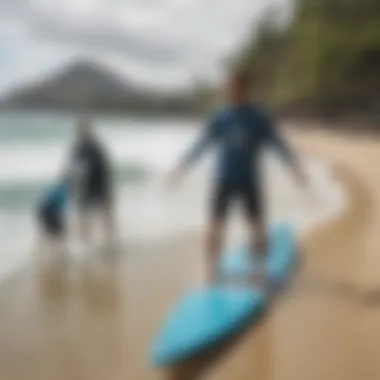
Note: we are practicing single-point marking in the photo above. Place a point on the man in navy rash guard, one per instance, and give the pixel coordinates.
(240, 131)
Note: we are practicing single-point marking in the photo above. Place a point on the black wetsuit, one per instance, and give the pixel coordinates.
(95, 181)
(240, 134)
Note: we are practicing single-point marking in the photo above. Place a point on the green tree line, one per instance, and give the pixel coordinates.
(325, 60)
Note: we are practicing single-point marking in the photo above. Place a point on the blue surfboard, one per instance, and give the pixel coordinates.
(205, 317)
(280, 260)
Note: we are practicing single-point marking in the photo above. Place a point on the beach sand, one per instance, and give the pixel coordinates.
(96, 319)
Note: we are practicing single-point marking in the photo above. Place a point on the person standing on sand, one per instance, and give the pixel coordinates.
(90, 165)
(240, 131)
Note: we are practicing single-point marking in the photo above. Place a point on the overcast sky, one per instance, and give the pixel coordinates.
(162, 43)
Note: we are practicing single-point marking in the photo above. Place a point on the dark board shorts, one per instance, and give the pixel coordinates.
(249, 195)
(95, 197)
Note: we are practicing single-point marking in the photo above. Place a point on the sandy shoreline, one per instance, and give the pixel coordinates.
(96, 320)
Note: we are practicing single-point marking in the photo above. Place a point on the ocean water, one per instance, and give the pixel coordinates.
(34, 148)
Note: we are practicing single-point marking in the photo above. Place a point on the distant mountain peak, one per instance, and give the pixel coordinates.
(94, 75)
(86, 84)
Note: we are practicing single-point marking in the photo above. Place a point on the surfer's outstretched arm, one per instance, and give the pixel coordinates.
(207, 138)
(286, 152)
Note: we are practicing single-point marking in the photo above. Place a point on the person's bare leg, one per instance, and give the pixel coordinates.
(63, 244)
(40, 246)
(44, 249)
(259, 248)
(84, 228)
(108, 219)
(214, 244)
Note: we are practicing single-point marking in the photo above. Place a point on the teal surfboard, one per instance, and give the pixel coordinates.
(205, 317)
(280, 259)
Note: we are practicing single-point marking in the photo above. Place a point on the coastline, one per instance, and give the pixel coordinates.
(97, 321)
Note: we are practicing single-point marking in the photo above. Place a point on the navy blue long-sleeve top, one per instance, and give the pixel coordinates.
(239, 133)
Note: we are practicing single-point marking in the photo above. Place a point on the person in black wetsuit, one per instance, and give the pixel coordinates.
(92, 168)
(240, 132)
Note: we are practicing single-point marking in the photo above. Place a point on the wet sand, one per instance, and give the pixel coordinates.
(96, 319)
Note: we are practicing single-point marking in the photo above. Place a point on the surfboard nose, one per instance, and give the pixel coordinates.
(203, 318)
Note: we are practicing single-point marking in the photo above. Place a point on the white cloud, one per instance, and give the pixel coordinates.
(161, 42)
